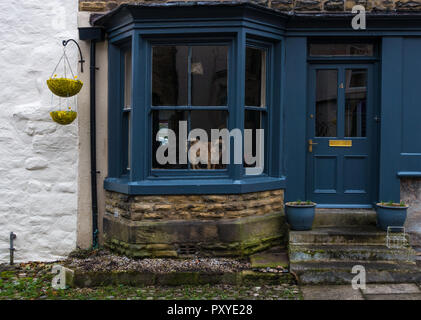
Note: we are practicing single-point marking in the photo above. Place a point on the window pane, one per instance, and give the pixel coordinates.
(166, 120)
(128, 79)
(170, 76)
(326, 102)
(126, 137)
(255, 85)
(127, 104)
(209, 67)
(355, 102)
(253, 121)
(341, 49)
(207, 120)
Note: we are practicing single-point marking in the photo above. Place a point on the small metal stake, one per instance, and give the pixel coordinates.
(12, 249)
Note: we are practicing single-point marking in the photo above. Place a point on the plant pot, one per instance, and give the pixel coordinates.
(63, 117)
(390, 216)
(64, 87)
(300, 217)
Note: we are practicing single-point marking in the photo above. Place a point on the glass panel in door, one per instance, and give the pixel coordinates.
(326, 102)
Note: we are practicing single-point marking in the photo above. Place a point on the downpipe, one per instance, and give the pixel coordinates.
(94, 172)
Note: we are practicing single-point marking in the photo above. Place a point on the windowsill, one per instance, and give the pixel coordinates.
(409, 174)
(194, 186)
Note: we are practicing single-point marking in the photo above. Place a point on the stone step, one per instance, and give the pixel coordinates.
(340, 272)
(300, 252)
(344, 217)
(339, 235)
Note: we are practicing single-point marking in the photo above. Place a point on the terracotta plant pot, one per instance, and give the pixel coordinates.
(300, 215)
(390, 215)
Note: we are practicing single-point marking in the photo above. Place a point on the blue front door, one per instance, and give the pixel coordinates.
(341, 135)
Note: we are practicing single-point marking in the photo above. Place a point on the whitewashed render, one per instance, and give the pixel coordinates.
(38, 158)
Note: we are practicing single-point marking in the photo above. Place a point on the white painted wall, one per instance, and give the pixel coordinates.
(38, 158)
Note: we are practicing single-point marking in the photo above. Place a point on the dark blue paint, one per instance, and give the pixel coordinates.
(295, 104)
(390, 216)
(391, 121)
(300, 218)
(341, 175)
(396, 150)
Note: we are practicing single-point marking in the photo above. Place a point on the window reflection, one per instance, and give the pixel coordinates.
(170, 76)
(209, 67)
(326, 102)
(341, 49)
(355, 102)
(255, 86)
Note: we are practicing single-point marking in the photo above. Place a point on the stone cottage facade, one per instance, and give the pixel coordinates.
(38, 158)
(47, 190)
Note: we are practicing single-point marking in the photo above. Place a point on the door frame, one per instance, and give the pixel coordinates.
(375, 143)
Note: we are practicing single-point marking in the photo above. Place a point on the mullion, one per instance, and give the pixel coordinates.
(189, 100)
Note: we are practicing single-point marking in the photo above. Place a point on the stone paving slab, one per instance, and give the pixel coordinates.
(332, 292)
(391, 288)
(398, 296)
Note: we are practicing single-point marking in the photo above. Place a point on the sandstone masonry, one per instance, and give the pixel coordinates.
(187, 207)
(204, 225)
(282, 5)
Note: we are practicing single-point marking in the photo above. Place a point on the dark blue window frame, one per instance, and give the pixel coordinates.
(139, 179)
(230, 108)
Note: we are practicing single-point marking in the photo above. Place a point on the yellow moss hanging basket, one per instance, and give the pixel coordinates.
(64, 87)
(63, 117)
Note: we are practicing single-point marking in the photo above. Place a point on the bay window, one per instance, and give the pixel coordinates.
(168, 85)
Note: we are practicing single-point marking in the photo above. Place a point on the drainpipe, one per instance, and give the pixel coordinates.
(93, 34)
(93, 146)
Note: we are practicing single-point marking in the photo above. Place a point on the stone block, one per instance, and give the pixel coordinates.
(226, 237)
(307, 5)
(333, 5)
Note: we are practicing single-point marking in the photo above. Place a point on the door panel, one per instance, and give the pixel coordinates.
(339, 128)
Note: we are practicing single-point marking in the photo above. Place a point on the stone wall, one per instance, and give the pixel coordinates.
(188, 207)
(204, 225)
(38, 158)
(283, 5)
(411, 194)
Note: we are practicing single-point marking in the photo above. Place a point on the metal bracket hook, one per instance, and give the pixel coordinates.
(81, 61)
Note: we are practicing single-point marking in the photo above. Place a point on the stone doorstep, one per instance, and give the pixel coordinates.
(339, 235)
(344, 217)
(134, 278)
(300, 252)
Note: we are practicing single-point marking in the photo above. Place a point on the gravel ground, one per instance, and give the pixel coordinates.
(32, 281)
(101, 260)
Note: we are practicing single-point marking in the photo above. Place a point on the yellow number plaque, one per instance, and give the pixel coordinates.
(340, 143)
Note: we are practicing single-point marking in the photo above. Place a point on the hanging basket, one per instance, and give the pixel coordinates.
(64, 87)
(63, 117)
(66, 84)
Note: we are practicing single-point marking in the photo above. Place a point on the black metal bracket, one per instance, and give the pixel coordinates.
(81, 61)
